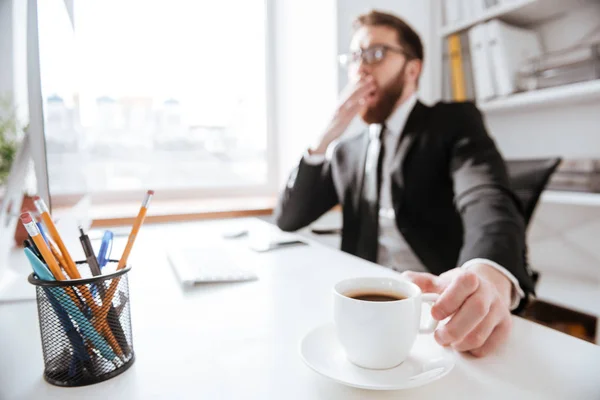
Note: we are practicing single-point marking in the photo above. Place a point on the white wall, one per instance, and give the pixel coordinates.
(305, 76)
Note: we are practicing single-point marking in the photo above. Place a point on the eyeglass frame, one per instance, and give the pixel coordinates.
(348, 59)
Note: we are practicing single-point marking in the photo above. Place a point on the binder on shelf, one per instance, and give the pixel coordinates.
(485, 87)
(456, 68)
(509, 48)
(467, 66)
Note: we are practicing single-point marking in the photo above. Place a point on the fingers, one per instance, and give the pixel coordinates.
(473, 311)
(477, 337)
(427, 282)
(498, 336)
(361, 85)
(455, 295)
(360, 92)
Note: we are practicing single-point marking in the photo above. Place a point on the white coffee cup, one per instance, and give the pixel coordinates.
(379, 334)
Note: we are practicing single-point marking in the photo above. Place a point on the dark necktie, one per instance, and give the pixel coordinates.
(369, 205)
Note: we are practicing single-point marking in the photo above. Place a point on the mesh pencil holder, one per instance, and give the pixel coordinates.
(85, 326)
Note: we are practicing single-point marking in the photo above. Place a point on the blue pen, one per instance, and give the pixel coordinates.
(42, 231)
(59, 293)
(105, 249)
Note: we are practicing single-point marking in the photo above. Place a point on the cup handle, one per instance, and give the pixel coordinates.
(430, 298)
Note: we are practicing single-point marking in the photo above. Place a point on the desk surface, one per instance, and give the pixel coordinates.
(234, 341)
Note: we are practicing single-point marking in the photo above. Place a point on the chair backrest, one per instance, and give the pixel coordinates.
(528, 179)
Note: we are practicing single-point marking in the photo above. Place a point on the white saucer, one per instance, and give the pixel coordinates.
(427, 362)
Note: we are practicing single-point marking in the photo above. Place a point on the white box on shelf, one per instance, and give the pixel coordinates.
(485, 87)
(509, 47)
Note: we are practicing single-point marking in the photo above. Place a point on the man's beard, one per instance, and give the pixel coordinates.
(388, 97)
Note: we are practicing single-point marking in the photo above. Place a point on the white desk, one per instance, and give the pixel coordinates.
(240, 341)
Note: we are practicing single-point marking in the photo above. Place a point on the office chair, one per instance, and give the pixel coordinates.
(528, 179)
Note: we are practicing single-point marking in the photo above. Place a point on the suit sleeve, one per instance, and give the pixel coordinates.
(494, 227)
(309, 193)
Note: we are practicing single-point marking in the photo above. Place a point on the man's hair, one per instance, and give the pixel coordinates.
(407, 37)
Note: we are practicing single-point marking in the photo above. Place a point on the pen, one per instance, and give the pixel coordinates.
(113, 318)
(88, 330)
(105, 249)
(47, 256)
(88, 250)
(29, 243)
(39, 225)
(123, 261)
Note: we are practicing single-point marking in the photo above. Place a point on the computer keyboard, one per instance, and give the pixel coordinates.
(209, 264)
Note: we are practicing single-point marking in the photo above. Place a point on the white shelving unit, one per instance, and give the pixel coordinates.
(528, 13)
(571, 198)
(519, 12)
(566, 95)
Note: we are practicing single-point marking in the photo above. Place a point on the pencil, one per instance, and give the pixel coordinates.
(135, 229)
(42, 208)
(61, 261)
(123, 261)
(34, 232)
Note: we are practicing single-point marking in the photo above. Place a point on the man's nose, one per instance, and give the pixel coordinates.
(359, 70)
(363, 69)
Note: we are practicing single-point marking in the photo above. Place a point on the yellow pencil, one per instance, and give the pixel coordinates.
(70, 266)
(123, 261)
(135, 229)
(61, 261)
(37, 238)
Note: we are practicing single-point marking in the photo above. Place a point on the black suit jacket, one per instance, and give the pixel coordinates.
(450, 193)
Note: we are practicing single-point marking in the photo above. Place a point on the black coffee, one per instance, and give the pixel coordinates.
(374, 296)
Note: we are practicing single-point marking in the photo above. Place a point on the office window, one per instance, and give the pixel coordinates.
(168, 94)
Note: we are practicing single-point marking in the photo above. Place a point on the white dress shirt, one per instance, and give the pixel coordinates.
(393, 251)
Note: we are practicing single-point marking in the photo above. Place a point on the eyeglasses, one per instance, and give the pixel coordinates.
(370, 56)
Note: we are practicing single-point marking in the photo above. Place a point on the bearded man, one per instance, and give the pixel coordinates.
(423, 190)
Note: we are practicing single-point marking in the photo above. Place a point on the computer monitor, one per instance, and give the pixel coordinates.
(35, 129)
(32, 150)
(13, 273)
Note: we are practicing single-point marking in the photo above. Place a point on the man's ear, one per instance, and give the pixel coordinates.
(413, 70)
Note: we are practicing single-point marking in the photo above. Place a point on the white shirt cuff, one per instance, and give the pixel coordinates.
(314, 159)
(517, 293)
